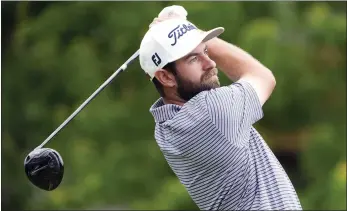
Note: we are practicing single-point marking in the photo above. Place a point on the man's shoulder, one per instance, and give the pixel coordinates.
(192, 111)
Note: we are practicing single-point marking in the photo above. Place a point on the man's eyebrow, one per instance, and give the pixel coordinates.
(190, 55)
(193, 54)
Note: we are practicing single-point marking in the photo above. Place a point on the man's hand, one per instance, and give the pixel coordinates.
(173, 11)
(169, 13)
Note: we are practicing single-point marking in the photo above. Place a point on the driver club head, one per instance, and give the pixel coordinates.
(44, 168)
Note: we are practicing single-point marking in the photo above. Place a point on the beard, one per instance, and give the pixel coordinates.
(187, 89)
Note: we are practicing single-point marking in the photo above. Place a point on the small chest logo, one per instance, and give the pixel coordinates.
(156, 59)
(179, 31)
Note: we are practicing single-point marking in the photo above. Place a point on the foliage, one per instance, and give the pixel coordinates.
(60, 52)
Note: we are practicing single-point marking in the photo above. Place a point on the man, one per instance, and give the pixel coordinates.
(205, 131)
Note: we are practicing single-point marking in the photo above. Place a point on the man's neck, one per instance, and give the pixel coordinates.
(177, 101)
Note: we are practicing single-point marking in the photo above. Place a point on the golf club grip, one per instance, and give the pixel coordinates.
(96, 92)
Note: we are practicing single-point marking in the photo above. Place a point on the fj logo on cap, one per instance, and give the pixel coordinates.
(156, 59)
(179, 31)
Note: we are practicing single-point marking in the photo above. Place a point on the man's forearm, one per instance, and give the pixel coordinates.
(238, 64)
(234, 61)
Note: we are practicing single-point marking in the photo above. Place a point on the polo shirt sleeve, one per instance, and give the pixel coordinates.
(234, 109)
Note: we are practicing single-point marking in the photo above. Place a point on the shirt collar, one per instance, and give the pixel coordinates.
(162, 112)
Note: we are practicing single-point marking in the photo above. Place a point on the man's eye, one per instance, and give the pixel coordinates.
(193, 59)
(206, 52)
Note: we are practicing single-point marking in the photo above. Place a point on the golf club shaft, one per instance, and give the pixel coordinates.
(108, 81)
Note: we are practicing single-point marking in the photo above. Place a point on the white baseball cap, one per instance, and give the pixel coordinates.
(169, 41)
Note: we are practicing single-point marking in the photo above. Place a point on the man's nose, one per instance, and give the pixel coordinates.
(208, 63)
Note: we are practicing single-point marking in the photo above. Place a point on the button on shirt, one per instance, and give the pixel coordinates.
(216, 153)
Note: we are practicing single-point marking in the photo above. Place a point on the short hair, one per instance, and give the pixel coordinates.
(170, 67)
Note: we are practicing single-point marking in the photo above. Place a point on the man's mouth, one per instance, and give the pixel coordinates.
(211, 73)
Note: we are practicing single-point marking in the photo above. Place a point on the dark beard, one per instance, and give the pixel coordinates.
(187, 90)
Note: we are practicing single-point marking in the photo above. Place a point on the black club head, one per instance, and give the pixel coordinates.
(44, 168)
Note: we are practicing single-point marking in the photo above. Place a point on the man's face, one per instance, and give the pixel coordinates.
(196, 72)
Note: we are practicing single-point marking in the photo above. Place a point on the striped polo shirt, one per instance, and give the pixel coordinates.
(216, 153)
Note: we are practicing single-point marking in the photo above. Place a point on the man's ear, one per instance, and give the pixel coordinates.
(165, 77)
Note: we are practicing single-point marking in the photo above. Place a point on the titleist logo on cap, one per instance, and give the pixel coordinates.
(179, 31)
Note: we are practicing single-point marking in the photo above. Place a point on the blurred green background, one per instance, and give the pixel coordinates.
(56, 54)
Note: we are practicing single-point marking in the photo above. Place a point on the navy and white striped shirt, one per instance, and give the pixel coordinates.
(218, 155)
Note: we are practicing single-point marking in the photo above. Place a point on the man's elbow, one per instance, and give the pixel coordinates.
(272, 80)
(269, 83)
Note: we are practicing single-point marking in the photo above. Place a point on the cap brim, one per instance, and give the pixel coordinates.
(213, 33)
(205, 36)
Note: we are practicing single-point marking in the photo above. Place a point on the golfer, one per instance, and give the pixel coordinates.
(205, 130)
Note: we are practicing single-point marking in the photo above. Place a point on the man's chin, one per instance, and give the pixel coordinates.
(208, 85)
(213, 82)
(189, 90)
(187, 95)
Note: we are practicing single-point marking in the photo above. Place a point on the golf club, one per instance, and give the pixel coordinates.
(44, 167)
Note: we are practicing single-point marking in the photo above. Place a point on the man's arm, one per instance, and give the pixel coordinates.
(233, 61)
(239, 65)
